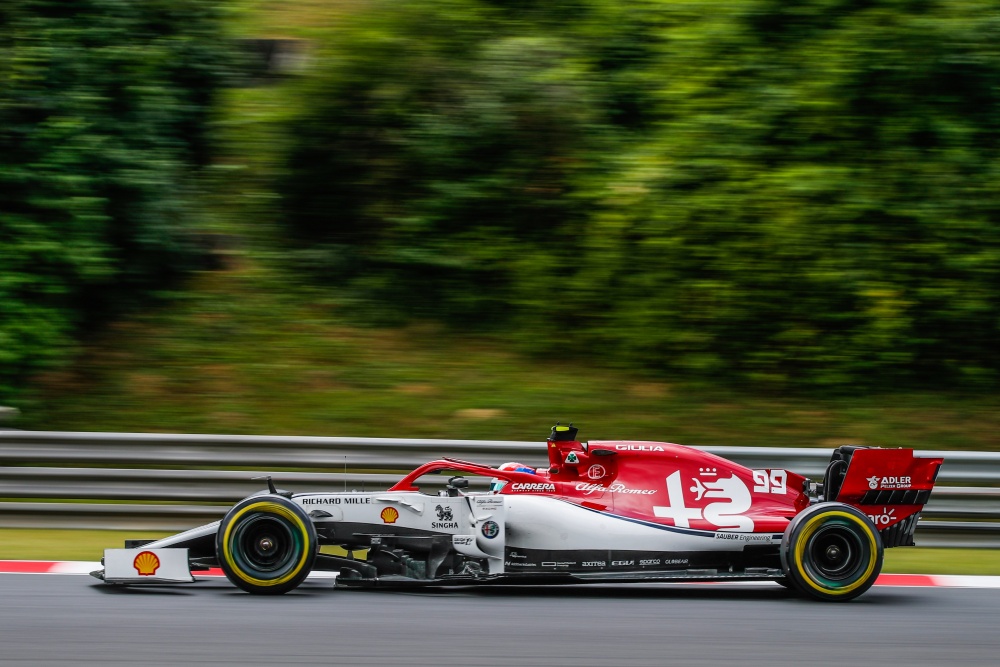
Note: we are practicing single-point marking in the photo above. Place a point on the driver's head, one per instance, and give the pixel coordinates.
(496, 484)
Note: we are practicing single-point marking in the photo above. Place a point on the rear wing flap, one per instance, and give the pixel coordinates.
(890, 486)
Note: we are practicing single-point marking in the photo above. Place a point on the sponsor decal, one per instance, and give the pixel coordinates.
(519, 564)
(572, 458)
(876, 482)
(491, 529)
(758, 538)
(649, 561)
(621, 563)
(487, 503)
(463, 540)
(514, 554)
(596, 471)
(885, 518)
(551, 563)
(337, 500)
(639, 448)
(614, 488)
(321, 501)
(533, 486)
(445, 518)
(708, 472)
(896, 482)
(389, 515)
(727, 512)
(774, 481)
(146, 564)
(594, 563)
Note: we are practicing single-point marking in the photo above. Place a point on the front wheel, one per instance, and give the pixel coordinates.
(266, 545)
(831, 551)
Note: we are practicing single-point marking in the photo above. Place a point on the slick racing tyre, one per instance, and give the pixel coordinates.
(831, 551)
(266, 544)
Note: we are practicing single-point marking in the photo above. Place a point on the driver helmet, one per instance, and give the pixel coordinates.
(496, 483)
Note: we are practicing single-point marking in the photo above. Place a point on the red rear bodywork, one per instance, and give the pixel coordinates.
(676, 485)
(687, 488)
(654, 482)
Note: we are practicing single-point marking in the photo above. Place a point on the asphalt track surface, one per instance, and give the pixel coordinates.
(75, 620)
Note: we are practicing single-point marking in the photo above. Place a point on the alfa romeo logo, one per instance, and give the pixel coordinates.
(491, 529)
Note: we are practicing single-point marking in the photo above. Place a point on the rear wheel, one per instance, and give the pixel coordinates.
(266, 545)
(831, 551)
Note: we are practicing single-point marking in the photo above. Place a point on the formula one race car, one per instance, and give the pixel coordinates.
(601, 512)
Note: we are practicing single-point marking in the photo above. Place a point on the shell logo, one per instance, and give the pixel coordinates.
(389, 515)
(146, 564)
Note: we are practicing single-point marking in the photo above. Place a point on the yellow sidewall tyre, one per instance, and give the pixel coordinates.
(266, 544)
(831, 551)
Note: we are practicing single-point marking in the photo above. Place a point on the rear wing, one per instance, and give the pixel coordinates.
(891, 486)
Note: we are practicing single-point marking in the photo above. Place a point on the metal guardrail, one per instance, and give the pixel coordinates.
(173, 481)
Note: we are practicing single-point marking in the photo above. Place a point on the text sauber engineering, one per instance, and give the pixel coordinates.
(601, 512)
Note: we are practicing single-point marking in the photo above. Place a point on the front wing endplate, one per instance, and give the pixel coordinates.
(146, 566)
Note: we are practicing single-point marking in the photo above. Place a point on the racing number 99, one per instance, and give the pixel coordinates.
(775, 482)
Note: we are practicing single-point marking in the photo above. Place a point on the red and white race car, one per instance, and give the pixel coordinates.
(615, 511)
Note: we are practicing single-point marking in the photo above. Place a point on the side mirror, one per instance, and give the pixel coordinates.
(458, 483)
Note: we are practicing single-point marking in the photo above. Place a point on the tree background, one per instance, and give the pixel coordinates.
(786, 193)
(105, 109)
(793, 192)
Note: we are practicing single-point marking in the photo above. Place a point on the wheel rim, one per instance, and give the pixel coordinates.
(837, 554)
(266, 546)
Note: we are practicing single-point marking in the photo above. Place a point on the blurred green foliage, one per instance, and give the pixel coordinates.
(439, 154)
(795, 192)
(105, 109)
(799, 193)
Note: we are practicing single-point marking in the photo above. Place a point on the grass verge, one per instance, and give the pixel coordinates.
(246, 352)
(85, 545)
